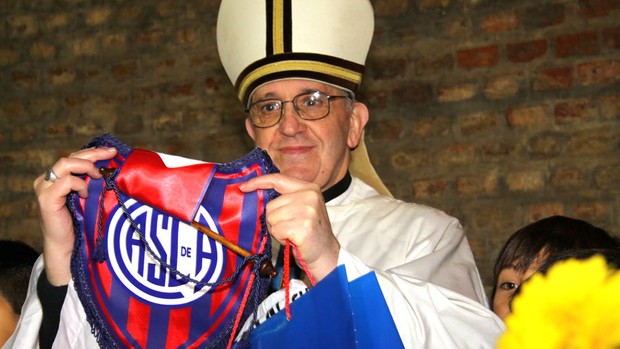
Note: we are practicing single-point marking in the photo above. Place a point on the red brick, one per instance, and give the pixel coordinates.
(597, 8)
(24, 78)
(8, 57)
(501, 87)
(478, 122)
(546, 145)
(553, 79)
(61, 76)
(576, 45)
(413, 94)
(525, 180)
(38, 107)
(599, 73)
(458, 154)
(152, 37)
(478, 57)
(130, 13)
(85, 46)
(591, 211)
(598, 141)
(425, 189)
(182, 91)
(535, 115)
(167, 121)
(575, 111)
(544, 210)
(76, 100)
(22, 26)
(59, 129)
(455, 93)
(498, 151)
(11, 108)
(477, 185)
(385, 130)
(526, 51)
(186, 36)
(608, 176)
(116, 41)
(610, 107)
(567, 177)
(431, 127)
(410, 158)
(143, 95)
(42, 50)
(124, 70)
(543, 15)
(97, 16)
(56, 20)
(434, 64)
(611, 37)
(384, 69)
(499, 22)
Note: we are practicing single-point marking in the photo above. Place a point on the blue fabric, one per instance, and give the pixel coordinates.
(333, 314)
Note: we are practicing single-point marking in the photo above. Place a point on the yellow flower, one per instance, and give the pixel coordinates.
(576, 306)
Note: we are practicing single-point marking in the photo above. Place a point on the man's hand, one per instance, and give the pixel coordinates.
(299, 215)
(56, 222)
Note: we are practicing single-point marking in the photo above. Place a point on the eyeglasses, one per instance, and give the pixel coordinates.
(312, 105)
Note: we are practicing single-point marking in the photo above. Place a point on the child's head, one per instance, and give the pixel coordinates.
(16, 261)
(529, 247)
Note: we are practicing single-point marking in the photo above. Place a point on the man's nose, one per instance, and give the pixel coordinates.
(291, 121)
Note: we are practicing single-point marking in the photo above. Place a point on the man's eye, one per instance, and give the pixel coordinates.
(269, 107)
(507, 286)
(312, 102)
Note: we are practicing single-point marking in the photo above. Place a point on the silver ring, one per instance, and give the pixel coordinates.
(50, 176)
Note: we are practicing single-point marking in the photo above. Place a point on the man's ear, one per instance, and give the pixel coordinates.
(249, 128)
(358, 119)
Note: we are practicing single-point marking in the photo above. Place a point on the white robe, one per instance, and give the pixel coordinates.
(424, 266)
(421, 256)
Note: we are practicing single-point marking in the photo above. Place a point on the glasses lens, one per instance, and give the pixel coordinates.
(265, 113)
(312, 105)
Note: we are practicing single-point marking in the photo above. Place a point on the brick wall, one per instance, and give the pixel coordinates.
(498, 112)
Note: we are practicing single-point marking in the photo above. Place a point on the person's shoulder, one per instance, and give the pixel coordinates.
(365, 196)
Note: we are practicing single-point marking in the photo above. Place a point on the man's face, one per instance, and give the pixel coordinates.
(313, 150)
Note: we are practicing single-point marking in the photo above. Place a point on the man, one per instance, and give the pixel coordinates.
(296, 66)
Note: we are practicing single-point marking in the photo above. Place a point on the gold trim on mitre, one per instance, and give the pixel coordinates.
(333, 72)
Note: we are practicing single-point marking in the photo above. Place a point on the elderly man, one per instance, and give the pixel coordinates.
(298, 77)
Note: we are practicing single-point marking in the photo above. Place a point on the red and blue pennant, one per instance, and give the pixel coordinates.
(146, 276)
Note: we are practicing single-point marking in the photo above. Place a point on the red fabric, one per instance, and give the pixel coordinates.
(145, 177)
(138, 320)
(178, 334)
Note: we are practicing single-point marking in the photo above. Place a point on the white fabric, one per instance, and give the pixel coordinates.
(345, 31)
(424, 265)
(421, 257)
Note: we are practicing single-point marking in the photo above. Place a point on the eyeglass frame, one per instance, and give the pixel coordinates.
(297, 110)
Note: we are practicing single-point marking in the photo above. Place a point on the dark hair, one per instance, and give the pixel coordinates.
(16, 261)
(551, 235)
(611, 255)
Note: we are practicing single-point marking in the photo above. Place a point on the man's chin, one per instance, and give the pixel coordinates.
(304, 174)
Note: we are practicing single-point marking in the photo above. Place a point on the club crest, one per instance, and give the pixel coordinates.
(147, 278)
